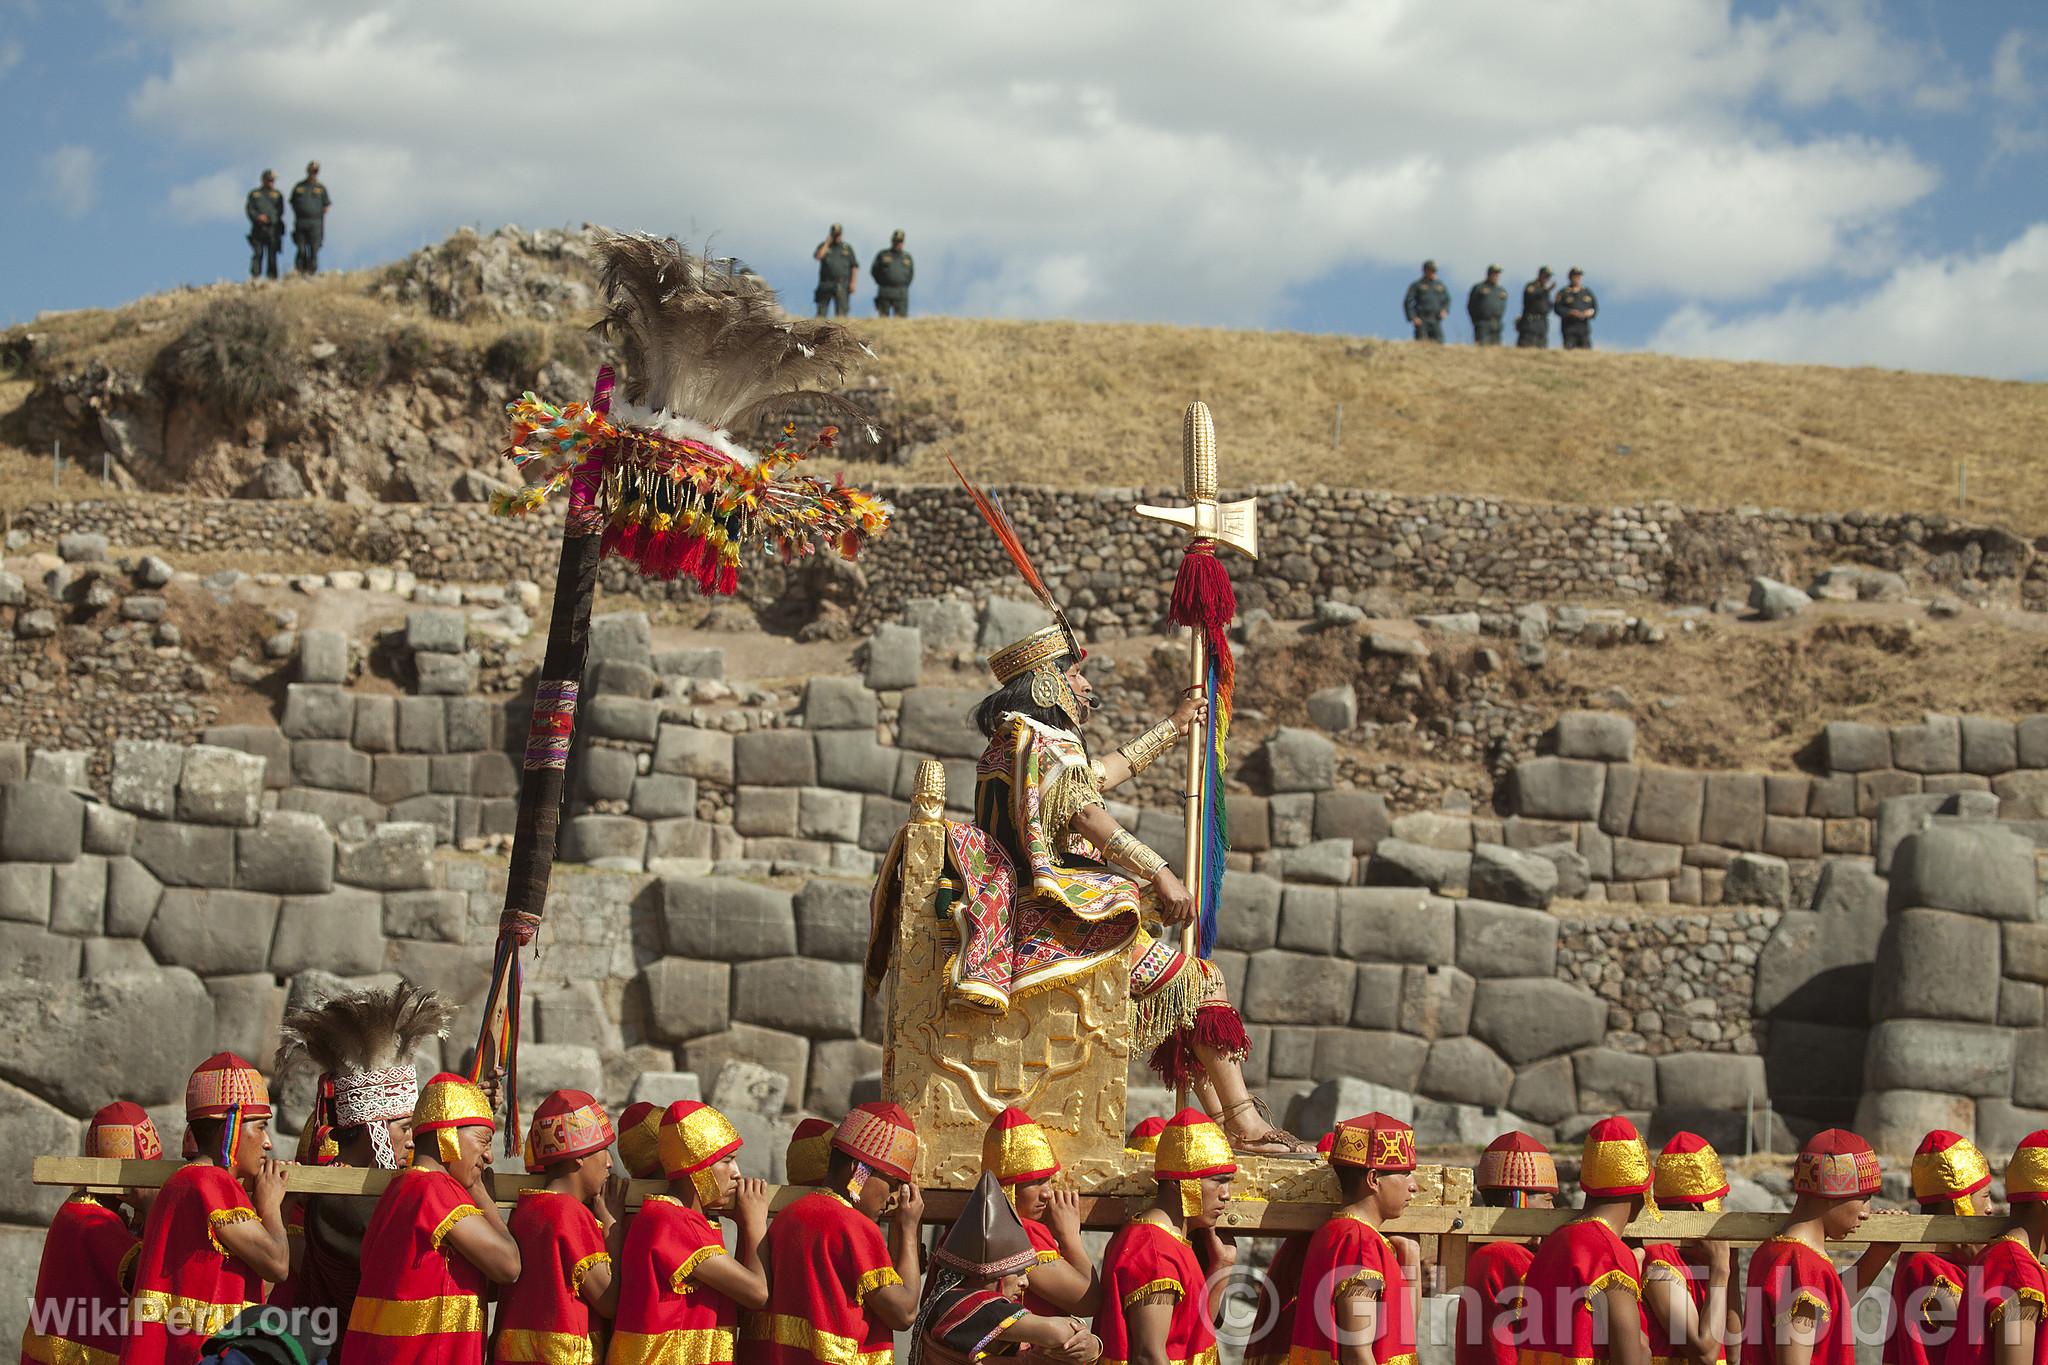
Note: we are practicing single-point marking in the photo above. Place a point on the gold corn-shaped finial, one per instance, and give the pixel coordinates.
(1198, 454)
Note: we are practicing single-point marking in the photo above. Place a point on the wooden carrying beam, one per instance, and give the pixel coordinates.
(1250, 1217)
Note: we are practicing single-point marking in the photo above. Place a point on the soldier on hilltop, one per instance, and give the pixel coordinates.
(1426, 304)
(1576, 309)
(838, 272)
(893, 271)
(1532, 328)
(1486, 305)
(309, 219)
(265, 208)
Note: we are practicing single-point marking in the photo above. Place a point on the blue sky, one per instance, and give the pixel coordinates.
(1848, 181)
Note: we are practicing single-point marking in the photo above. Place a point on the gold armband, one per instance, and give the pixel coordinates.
(1143, 751)
(1126, 852)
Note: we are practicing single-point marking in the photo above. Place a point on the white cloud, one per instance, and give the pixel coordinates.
(1141, 159)
(71, 178)
(1971, 314)
(2009, 79)
(10, 55)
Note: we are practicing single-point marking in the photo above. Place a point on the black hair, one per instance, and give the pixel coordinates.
(1354, 1181)
(206, 1134)
(1498, 1199)
(1015, 695)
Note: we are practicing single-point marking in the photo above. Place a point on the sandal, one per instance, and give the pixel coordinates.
(1275, 1141)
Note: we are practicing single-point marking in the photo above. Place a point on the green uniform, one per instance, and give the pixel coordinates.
(1532, 328)
(1577, 332)
(1486, 305)
(1424, 305)
(265, 208)
(309, 224)
(835, 276)
(893, 270)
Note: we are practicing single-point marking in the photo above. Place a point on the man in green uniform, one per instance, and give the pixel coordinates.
(309, 219)
(838, 272)
(1426, 304)
(1532, 328)
(893, 270)
(1486, 305)
(1576, 308)
(265, 207)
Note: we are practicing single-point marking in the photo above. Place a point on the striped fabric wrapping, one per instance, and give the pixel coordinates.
(553, 727)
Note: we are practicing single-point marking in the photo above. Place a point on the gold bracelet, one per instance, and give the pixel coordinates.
(1143, 751)
(1126, 852)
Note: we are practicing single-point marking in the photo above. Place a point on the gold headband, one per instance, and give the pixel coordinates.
(1038, 648)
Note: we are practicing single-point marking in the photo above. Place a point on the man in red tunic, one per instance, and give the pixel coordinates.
(1357, 1297)
(680, 1293)
(1515, 1172)
(640, 1140)
(216, 1230)
(2006, 1293)
(1685, 1288)
(1800, 1304)
(971, 1307)
(1017, 1152)
(88, 1265)
(568, 1231)
(837, 1293)
(1949, 1176)
(435, 1238)
(1158, 1306)
(810, 1152)
(1582, 1293)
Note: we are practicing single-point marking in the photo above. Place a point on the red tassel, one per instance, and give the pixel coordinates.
(1204, 599)
(728, 579)
(1217, 1027)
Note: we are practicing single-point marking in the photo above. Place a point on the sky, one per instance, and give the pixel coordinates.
(1859, 182)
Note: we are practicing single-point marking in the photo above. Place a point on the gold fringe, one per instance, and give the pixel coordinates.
(1066, 796)
(1174, 1006)
(1152, 1287)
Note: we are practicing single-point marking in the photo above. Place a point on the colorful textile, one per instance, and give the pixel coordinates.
(1373, 1142)
(224, 1083)
(1580, 1260)
(879, 1136)
(964, 1324)
(551, 730)
(419, 1300)
(1836, 1164)
(1786, 1276)
(1493, 1274)
(124, 1131)
(824, 1259)
(1347, 1254)
(569, 1124)
(89, 1258)
(186, 1284)
(2005, 1272)
(667, 1316)
(1927, 1289)
(543, 1319)
(1142, 1259)
(1516, 1161)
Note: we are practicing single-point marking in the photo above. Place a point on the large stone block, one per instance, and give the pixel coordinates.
(1757, 879)
(108, 832)
(1300, 760)
(1399, 863)
(1817, 966)
(943, 622)
(627, 718)
(822, 813)
(1435, 1002)
(436, 630)
(618, 677)
(1936, 964)
(220, 786)
(838, 1066)
(1466, 1071)
(1733, 812)
(895, 657)
(663, 796)
(1894, 1121)
(616, 842)
(1393, 1060)
(1543, 1091)
(289, 852)
(1250, 917)
(78, 894)
(40, 822)
(317, 712)
(31, 953)
(836, 702)
(604, 774)
(1641, 860)
(1669, 804)
(832, 920)
(766, 812)
(1979, 870)
(775, 758)
(1511, 876)
(1529, 1018)
(1852, 747)
(855, 761)
(1308, 919)
(247, 1011)
(1503, 940)
(1559, 788)
(1989, 746)
(688, 999)
(1006, 620)
(1395, 925)
(145, 776)
(1610, 1081)
(687, 752)
(400, 777)
(30, 1128)
(1932, 1054)
(340, 932)
(1325, 862)
(1711, 1080)
(214, 933)
(940, 720)
(132, 896)
(423, 725)
(445, 675)
(785, 1054)
(696, 662)
(337, 809)
(331, 765)
(725, 919)
(1935, 745)
(25, 890)
(1602, 735)
(622, 635)
(440, 916)
(1359, 816)
(186, 855)
(396, 857)
(799, 995)
(1298, 988)
(1618, 798)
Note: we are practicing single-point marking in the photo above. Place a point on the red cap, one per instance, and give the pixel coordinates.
(1836, 1164)
(223, 1082)
(1689, 1173)
(880, 1137)
(1017, 1149)
(694, 1137)
(1325, 1142)
(1516, 1161)
(810, 1152)
(123, 1130)
(1616, 1161)
(1373, 1142)
(2026, 1175)
(1145, 1137)
(569, 1124)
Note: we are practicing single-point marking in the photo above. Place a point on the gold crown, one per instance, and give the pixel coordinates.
(1190, 1149)
(1691, 1177)
(1038, 648)
(695, 1138)
(450, 1101)
(1957, 1171)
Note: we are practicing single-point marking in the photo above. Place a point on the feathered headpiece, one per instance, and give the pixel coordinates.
(363, 1042)
(657, 471)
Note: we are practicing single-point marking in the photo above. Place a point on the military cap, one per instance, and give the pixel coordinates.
(837, 228)
(1493, 270)
(1575, 272)
(269, 175)
(313, 167)
(1429, 265)
(897, 235)
(1542, 272)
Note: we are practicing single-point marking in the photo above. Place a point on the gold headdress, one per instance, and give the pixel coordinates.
(363, 1042)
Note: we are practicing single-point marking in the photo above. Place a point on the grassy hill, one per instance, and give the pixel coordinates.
(1080, 403)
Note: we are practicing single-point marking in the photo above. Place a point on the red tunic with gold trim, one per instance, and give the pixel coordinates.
(824, 1259)
(666, 1316)
(1278, 1296)
(187, 1286)
(1345, 1252)
(1493, 1272)
(1144, 1258)
(1580, 1259)
(1926, 1290)
(543, 1318)
(1048, 1248)
(1785, 1273)
(2004, 1272)
(76, 1316)
(1691, 1274)
(419, 1300)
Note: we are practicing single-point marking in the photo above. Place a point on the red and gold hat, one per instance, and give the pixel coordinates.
(125, 1131)
(1516, 1161)
(1947, 1170)
(809, 1158)
(1373, 1142)
(1836, 1164)
(694, 1138)
(569, 1124)
(1145, 1137)
(1689, 1174)
(639, 1140)
(880, 1137)
(1016, 1149)
(447, 1103)
(2026, 1175)
(224, 1083)
(1192, 1148)
(1325, 1143)
(1616, 1162)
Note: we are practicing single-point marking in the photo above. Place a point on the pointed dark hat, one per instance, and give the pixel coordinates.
(987, 1240)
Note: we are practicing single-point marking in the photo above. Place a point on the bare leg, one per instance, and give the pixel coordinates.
(1223, 1094)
